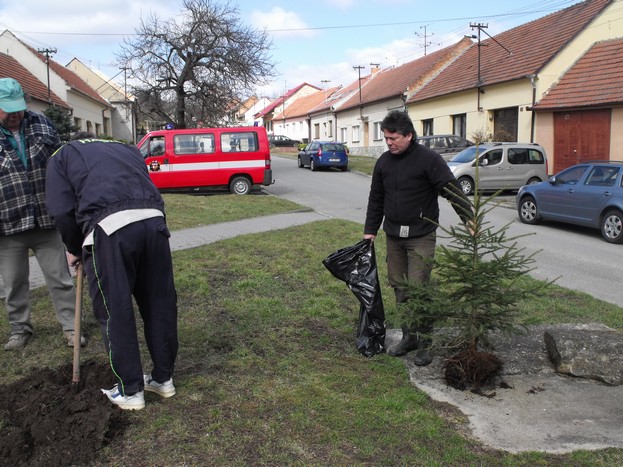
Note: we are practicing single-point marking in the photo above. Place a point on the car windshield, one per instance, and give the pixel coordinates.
(466, 155)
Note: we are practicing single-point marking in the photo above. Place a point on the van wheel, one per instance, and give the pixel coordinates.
(534, 180)
(467, 185)
(240, 186)
(528, 211)
(612, 226)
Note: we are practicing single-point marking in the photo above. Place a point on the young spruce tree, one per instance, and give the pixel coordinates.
(476, 288)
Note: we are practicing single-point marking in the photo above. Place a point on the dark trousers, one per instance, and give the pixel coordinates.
(410, 259)
(135, 261)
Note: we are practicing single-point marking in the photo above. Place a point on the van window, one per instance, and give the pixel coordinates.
(518, 156)
(153, 147)
(535, 157)
(193, 144)
(494, 156)
(239, 141)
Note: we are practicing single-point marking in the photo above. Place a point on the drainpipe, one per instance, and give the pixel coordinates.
(532, 79)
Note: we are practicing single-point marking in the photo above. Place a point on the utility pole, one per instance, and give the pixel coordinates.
(324, 83)
(426, 43)
(359, 68)
(47, 53)
(480, 27)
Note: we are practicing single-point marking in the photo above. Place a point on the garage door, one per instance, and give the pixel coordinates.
(581, 136)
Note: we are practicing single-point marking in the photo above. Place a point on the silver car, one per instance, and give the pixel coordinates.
(500, 166)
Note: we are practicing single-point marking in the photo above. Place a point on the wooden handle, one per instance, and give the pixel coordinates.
(77, 322)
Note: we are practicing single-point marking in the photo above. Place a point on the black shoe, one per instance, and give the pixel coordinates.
(408, 343)
(422, 357)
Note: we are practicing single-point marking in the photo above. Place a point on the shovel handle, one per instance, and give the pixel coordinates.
(77, 322)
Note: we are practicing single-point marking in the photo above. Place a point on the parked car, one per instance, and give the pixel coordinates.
(588, 194)
(282, 141)
(501, 166)
(446, 145)
(323, 154)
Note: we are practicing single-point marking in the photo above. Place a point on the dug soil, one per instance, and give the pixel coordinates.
(46, 420)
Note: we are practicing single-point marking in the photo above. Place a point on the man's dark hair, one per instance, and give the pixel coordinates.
(398, 121)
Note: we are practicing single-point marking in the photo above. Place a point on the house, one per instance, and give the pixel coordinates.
(123, 106)
(386, 90)
(90, 111)
(495, 87)
(280, 107)
(581, 116)
(243, 113)
(297, 116)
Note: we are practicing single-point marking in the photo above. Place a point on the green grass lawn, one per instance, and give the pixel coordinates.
(268, 372)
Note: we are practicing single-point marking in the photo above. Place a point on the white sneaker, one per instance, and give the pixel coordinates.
(165, 389)
(133, 402)
(17, 341)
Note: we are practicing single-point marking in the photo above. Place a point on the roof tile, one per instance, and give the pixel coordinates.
(595, 79)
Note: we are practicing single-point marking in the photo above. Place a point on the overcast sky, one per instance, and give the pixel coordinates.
(317, 41)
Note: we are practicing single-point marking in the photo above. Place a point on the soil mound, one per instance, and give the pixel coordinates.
(46, 420)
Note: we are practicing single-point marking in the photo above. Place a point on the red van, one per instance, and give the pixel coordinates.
(182, 160)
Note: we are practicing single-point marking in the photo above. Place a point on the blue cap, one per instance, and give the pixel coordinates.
(11, 96)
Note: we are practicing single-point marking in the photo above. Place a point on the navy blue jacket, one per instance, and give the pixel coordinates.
(88, 180)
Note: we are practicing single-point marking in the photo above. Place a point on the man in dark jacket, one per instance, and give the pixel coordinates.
(406, 183)
(111, 216)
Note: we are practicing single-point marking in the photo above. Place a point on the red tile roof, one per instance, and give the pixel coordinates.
(282, 99)
(394, 82)
(11, 68)
(301, 107)
(515, 53)
(342, 94)
(596, 79)
(72, 79)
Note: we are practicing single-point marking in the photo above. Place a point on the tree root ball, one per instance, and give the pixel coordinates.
(472, 369)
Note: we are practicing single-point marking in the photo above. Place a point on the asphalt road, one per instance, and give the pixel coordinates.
(578, 258)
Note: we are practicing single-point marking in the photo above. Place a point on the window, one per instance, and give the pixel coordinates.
(330, 129)
(343, 134)
(378, 134)
(316, 130)
(153, 147)
(493, 157)
(602, 176)
(427, 127)
(535, 157)
(192, 144)
(518, 156)
(241, 141)
(459, 125)
(356, 131)
(571, 176)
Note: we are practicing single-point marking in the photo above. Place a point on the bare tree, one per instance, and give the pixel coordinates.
(191, 67)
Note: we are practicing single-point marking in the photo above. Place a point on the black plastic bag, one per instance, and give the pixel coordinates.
(356, 265)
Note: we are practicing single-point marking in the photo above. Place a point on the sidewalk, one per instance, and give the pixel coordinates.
(541, 411)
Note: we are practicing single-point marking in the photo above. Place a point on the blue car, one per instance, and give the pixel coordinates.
(588, 194)
(323, 154)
